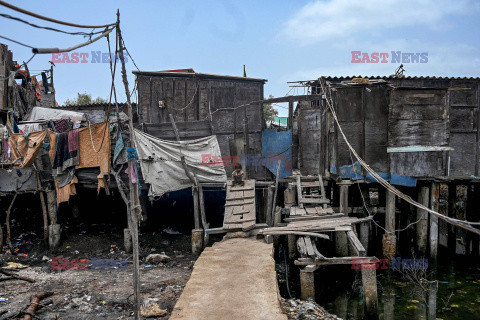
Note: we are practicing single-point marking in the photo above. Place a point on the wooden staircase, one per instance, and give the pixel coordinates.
(240, 206)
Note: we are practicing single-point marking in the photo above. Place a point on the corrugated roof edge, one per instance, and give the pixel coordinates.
(400, 78)
(93, 105)
(196, 75)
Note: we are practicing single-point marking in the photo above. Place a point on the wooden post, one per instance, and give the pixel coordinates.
(389, 303)
(134, 207)
(344, 197)
(292, 246)
(435, 196)
(369, 281)
(432, 301)
(364, 234)
(127, 240)
(7, 222)
(290, 115)
(307, 282)
(54, 229)
(475, 216)
(452, 212)
(422, 225)
(42, 202)
(269, 210)
(341, 243)
(276, 187)
(246, 141)
(389, 239)
(203, 214)
(299, 191)
(195, 191)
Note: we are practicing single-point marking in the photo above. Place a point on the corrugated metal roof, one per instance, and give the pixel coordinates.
(94, 105)
(401, 78)
(196, 75)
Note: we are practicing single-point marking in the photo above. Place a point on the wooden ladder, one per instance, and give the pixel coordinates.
(312, 199)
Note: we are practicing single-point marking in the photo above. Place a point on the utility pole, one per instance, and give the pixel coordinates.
(133, 207)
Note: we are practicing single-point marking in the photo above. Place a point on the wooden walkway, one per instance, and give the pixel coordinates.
(240, 206)
(233, 279)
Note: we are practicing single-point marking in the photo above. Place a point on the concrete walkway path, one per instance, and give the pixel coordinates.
(233, 279)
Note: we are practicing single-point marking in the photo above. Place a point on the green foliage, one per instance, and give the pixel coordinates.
(83, 99)
(268, 111)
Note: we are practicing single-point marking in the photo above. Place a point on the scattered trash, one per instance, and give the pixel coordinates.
(15, 265)
(306, 309)
(171, 231)
(157, 258)
(151, 309)
(3, 299)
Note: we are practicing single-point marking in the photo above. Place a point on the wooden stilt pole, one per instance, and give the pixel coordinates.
(435, 202)
(389, 239)
(369, 280)
(452, 212)
(276, 188)
(134, 203)
(7, 222)
(54, 229)
(422, 225)
(307, 282)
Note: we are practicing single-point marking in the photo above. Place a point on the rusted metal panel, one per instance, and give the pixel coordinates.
(18, 179)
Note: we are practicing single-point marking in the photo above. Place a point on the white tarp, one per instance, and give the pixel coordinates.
(39, 113)
(162, 168)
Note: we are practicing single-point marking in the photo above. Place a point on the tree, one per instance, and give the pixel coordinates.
(83, 99)
(268, 111)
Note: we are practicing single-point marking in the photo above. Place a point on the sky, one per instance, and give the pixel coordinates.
(280, 40)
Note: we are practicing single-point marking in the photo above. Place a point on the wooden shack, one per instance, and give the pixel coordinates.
(422, 127)
(202, 105)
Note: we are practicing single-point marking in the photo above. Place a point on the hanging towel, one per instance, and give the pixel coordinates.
(64, 158)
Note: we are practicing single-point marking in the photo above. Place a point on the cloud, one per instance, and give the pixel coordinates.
(325, 20)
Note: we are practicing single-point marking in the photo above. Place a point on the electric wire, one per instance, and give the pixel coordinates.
(7, 16)
(10, 6)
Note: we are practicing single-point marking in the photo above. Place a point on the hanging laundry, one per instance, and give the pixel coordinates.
(66, 152)
(25, 148)
(64, 193)
(93, 149)
(62, 125)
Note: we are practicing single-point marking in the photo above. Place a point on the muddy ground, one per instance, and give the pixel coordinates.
(96, 294)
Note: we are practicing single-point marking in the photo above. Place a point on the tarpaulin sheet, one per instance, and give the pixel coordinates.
(277, 145)
(161, 165)
(39, 113)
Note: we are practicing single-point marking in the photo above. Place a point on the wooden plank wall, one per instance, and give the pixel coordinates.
(202, 95)
(446, 115)
(5, 65)
(418, 117)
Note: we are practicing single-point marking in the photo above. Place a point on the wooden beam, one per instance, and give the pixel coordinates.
(299, 192)
(356, 244)
(314, 201)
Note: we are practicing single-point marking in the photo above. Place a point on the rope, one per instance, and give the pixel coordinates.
(8, 5)
(91, 137)
(461, 223)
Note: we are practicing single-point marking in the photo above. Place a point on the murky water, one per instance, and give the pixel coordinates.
(457, 295)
